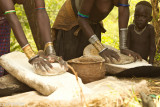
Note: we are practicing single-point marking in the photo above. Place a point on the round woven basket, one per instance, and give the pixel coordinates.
(89, 68)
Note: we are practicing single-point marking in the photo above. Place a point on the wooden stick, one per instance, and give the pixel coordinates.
(81, 91)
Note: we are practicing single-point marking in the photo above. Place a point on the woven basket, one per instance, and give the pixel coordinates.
(89, 68)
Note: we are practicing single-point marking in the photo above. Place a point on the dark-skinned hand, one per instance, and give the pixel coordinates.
(128, 52)
(108, 53)
(41, 64)
(53, 58)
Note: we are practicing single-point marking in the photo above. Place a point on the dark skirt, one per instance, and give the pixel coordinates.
(70, 46)
(4, 42)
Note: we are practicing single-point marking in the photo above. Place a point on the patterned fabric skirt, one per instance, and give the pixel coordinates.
(4, 42)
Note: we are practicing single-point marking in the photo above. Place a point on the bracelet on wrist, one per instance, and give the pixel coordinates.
(103, 50)
(49, 49)
(96, 43)
(9, 11)
(30, 60)
(28, 51)
(123, 38)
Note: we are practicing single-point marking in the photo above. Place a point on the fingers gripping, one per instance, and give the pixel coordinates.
(107, 53)
(135, 55)
(128, 52)
(116, 56)
(41, 64)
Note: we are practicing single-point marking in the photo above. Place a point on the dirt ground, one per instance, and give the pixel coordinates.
(156, 63)
(153, 84)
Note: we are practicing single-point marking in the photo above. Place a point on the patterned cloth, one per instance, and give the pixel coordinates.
(4, 42)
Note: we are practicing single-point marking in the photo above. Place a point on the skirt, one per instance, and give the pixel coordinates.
(69, 46)
(4, 42)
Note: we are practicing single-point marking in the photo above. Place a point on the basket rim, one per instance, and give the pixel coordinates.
(77, 61)
(85, 62)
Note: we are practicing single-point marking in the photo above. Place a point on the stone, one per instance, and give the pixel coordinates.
(90, 50)
(9, 85)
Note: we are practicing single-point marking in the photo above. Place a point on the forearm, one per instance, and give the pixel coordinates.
(17, 29)
(123, 23)
(86, 28)
(83, 17)
(45, 31)
(44, 25)
(7, 6)
(20, 36)
(43, 21)
(123, 15)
